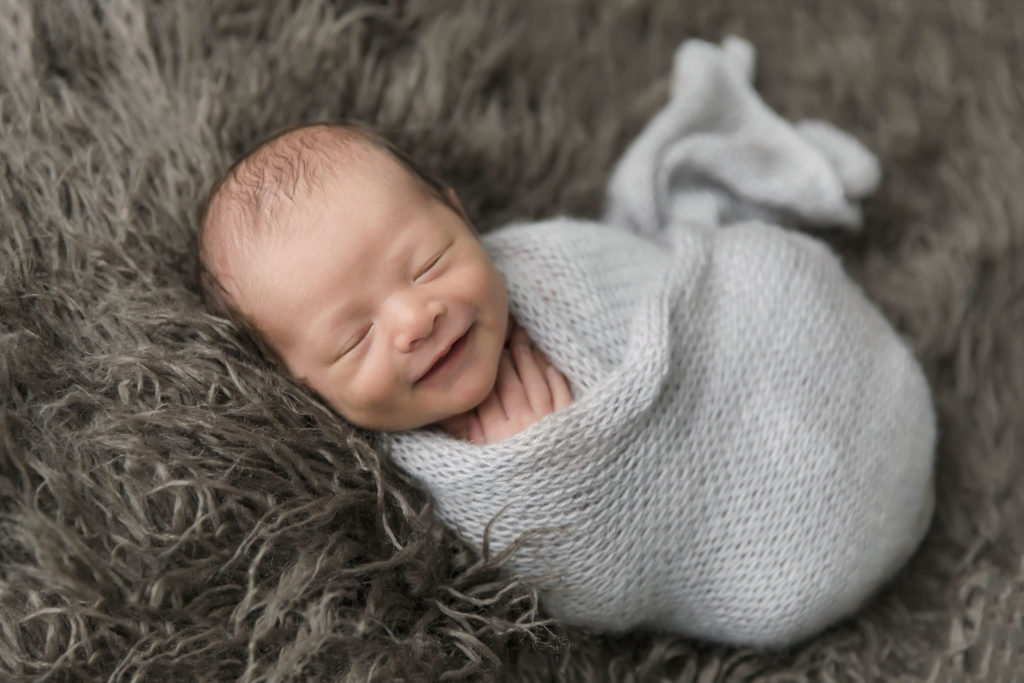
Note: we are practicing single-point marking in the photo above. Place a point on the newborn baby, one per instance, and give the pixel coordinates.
(363, 278)
(747, 455)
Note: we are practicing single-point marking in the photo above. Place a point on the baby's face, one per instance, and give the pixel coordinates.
(379, 297)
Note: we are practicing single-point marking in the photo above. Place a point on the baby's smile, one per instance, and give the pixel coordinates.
(450, 359)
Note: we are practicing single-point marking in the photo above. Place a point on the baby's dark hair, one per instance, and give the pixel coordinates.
(258, 185)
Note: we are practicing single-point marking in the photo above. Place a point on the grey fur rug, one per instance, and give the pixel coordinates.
(170, 509)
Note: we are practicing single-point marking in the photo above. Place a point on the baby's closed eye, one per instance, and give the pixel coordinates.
(431, 263)
(354, 341)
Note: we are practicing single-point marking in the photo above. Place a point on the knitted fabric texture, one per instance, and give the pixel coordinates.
(748, 456)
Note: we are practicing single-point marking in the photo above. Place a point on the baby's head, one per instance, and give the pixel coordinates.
(357, 274)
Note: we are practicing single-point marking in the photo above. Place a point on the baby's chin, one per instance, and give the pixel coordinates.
(468, 399)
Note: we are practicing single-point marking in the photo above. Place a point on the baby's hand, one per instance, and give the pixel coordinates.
(528, 387)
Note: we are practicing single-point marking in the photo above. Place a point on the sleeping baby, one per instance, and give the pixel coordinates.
(688, 417)
(363, 278)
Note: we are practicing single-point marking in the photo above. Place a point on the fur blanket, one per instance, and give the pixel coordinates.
(172, 509)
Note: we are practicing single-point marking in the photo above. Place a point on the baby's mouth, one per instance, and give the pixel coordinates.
(448, 359)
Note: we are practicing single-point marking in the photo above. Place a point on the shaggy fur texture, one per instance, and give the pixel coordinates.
(171, 509)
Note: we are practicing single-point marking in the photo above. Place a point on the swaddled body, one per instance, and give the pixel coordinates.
(749, 451)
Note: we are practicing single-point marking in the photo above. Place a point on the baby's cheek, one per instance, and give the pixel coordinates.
(365, 385)
(485, 287)
(481, 385)
(371, 391)
(479, 275)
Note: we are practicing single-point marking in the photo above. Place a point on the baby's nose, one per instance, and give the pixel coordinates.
(415, 321)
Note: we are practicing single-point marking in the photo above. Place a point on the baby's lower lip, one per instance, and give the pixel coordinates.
(450, 359)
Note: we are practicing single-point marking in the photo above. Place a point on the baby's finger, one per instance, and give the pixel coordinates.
(508, 387)
(476, 432)
(531, 373)
(490, 411)
(560, 394)
(542, 360)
